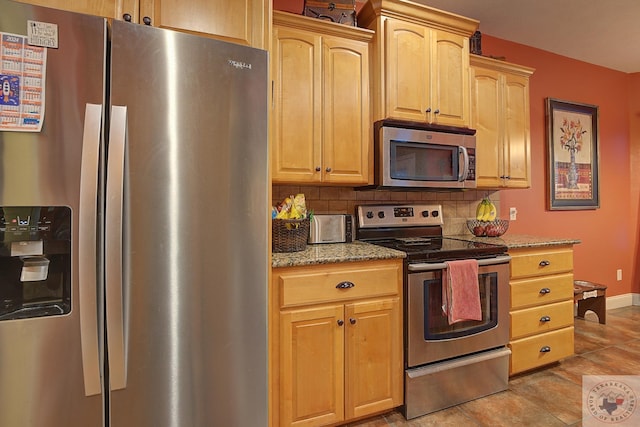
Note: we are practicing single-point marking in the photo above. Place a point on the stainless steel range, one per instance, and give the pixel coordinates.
(445, 363)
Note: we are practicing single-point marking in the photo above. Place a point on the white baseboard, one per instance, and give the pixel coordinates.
(625, 300)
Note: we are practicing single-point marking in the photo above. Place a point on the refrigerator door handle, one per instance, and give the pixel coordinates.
(113, 249)
(87, 249)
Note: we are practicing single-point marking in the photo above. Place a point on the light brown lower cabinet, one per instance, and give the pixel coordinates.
(336, 342)
(541, 312)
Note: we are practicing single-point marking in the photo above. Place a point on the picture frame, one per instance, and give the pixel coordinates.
(573, 155)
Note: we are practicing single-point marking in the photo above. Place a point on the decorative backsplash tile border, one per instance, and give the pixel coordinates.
(457, 206)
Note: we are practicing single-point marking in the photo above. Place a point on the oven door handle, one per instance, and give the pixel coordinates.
(430, 266)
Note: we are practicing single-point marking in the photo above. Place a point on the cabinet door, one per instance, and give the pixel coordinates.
(407, 68)
(486, 119)
(450, 79)
(106, 8)
(296, 125)
(312, 366)
(516, 140)
(374, 365)
(243, 22)
(346, 116)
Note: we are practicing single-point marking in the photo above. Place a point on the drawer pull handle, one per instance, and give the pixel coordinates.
(352, 320)
(340, 322)
(545, 349)
(544, 263)
(545, 291)
(345, 285)
(544, 319)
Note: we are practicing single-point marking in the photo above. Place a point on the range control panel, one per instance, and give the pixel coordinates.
(374, 216)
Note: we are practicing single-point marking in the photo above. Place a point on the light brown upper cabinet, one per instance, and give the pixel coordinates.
(500, 116)
(242, 22)
(106, 8)
(420, 63)
(321, 129)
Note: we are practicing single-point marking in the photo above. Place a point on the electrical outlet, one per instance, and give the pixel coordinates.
(513, 213)
(619, 274)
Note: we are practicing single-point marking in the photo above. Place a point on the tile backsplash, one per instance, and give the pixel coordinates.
(457, 206)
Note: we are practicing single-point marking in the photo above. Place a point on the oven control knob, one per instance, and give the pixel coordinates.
(435, 214)
(381, 214)
(425, 214)
(369, 214)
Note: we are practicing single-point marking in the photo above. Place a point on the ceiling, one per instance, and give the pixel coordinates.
(605, 33)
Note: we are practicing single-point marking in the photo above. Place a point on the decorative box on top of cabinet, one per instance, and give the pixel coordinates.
(321, 122)
(541, 312)
(335, 342)
(420, 62)
(500, 116)
(241, 22)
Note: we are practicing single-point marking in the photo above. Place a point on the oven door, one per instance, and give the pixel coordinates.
(430, 338)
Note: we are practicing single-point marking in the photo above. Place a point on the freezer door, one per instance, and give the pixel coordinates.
(49, 374)
(188, 317)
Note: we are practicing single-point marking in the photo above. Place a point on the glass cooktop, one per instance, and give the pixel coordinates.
(440, 248)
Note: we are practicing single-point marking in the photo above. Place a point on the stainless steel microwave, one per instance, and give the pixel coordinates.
(414, 155)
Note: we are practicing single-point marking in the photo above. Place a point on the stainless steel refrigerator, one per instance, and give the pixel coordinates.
(133, 226)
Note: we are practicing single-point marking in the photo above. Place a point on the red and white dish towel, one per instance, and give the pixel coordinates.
(461, 292)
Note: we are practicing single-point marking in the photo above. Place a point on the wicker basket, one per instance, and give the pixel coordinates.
(289, 235)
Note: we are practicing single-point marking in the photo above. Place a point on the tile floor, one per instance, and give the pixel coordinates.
(550, 396)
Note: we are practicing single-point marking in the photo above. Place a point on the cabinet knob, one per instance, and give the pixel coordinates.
(127, 17)
(318, 168)
(352, 320)
(428, 110)
(340, 322)
(345, 285)
(545, 349)
(545, 291)
(545, 319)
(544, 263)
(437, 111)
(328, 170)
(146, 20)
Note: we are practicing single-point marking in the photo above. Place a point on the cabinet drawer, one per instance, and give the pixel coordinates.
(530, 262)
(527, 353)
(534, 320)
(543, 290)
(318, 284)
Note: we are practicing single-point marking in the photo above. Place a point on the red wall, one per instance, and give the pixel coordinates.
(634, 120)
(608, 234)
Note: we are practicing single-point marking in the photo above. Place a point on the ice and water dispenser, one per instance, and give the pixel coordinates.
(35, 261)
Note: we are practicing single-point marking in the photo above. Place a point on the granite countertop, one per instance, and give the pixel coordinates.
(334, 252)
(514, 241)
(362, 251)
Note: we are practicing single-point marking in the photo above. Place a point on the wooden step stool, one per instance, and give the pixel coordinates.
(590, 296)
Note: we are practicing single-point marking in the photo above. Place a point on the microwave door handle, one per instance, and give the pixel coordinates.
(465, 169)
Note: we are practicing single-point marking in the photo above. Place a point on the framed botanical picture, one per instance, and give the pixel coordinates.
(572, 146)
